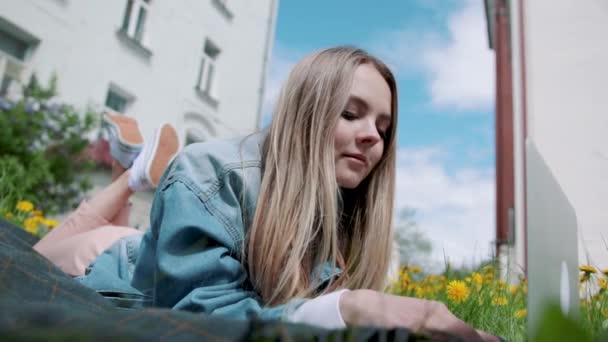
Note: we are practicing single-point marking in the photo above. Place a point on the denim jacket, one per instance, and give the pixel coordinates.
(190, 258)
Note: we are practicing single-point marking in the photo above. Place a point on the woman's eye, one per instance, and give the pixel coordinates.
(349, 115)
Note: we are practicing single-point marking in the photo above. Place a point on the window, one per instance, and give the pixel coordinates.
(134, 21)
(206, 82)
(11, 74)
(5, 85)
(15, 46)
(118, 100)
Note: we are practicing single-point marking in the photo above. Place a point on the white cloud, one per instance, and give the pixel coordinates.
(461, 72)
(458, 66)
(454, 209)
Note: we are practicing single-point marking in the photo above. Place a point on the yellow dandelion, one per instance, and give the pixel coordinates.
(25, 206)
(477, 278)
(457, 291)
(499, 301)
(605, 271)
(37, 213)
(501, 285)
(420, 292)
(31, 225)
(521, 313)
(513, 289)
(603, 283)
(488, 278)
(415, 270)
(467, 279)
(583, 277)
(428, 289)
(50, 223)
(587, 269)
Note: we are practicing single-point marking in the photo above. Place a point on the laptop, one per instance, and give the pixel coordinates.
(552, 248)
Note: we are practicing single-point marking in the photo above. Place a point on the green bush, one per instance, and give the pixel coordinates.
(42, 145)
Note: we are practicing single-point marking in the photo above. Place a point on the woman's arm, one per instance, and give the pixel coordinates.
(194, 259)
(371, 308)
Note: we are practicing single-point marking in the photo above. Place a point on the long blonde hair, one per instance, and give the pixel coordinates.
(301, 219)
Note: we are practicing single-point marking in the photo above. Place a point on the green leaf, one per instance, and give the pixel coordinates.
(555, 326)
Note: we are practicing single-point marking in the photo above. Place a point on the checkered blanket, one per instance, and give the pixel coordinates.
(39, 301)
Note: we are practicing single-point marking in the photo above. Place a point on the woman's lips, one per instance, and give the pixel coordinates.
(357, 158)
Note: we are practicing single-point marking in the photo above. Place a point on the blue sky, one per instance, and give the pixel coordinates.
(438, 51)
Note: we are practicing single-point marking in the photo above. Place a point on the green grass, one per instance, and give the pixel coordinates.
(487, 303)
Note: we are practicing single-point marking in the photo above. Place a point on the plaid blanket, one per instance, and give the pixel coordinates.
(39, 301)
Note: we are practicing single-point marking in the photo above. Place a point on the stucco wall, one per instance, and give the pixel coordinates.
(567, 108)
(80, 41)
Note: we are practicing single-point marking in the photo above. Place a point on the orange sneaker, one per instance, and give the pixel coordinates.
(124, 137)
(152, 162)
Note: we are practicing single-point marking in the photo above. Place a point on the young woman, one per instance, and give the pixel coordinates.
(290, 223)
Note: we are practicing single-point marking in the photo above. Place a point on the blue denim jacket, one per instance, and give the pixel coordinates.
(190, 258)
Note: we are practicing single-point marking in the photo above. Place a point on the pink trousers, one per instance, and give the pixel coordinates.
(82, 237)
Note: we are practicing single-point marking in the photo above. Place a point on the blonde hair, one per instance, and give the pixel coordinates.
(301, 220)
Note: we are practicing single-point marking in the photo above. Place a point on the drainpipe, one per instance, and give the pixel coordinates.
(505, 201)
(274, 4)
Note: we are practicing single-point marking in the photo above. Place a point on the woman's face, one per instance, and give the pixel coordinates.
(359, 134)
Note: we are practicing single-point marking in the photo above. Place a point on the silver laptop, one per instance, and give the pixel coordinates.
(552, 242)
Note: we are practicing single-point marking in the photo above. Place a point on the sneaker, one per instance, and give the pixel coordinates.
(124, 137)
(151, 163)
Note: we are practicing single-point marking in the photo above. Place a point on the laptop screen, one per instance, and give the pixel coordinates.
(552, 262)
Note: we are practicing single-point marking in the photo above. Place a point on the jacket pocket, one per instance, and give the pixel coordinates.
(127, 300)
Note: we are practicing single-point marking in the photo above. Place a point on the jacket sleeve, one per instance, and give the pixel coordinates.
(196, 263)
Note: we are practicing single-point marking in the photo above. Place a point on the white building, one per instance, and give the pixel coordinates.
(551, 88)
(199, 65)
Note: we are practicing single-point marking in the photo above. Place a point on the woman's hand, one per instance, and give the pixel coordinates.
(371, 308)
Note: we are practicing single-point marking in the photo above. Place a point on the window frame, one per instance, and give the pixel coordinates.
(224, 8)
(207, 79)
(14, 70)
(136, 16)
(121, 93)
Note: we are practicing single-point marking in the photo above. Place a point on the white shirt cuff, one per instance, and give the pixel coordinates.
(323, 311)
